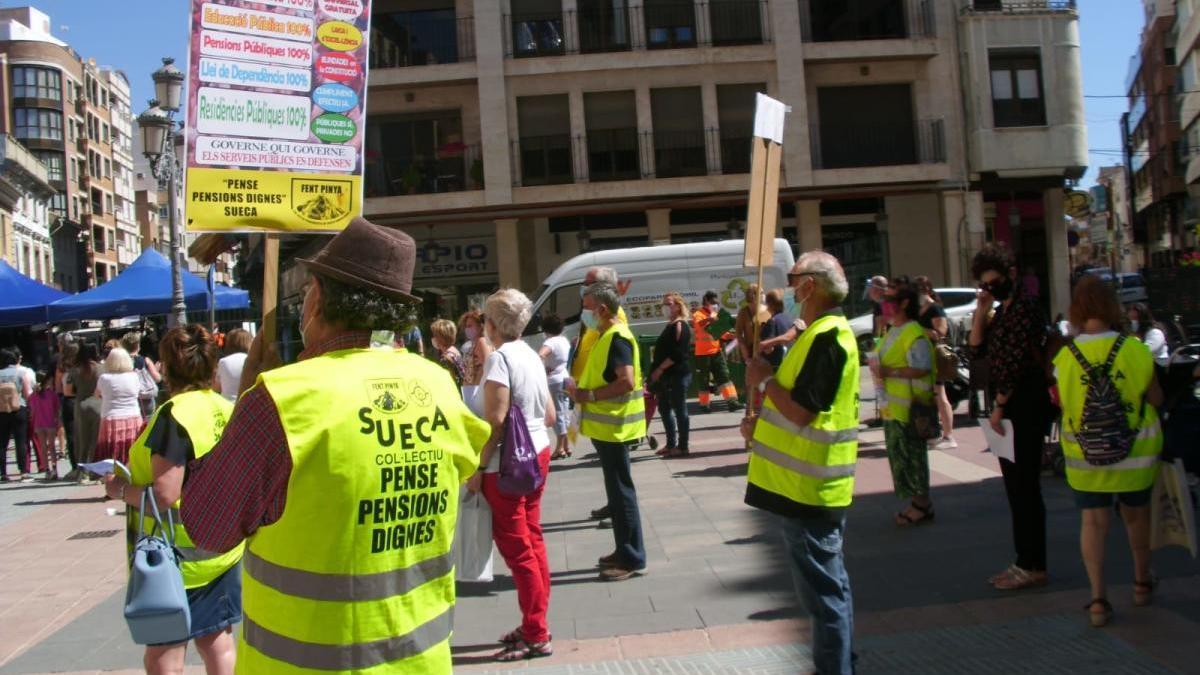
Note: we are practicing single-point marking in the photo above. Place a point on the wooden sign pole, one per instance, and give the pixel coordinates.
(762, 210)
(270, 299)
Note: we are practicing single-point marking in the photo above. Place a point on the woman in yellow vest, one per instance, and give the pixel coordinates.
(1096, 315)
(184, 429)
(905, 365)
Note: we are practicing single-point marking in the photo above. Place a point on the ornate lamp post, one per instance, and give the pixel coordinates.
(158, 142)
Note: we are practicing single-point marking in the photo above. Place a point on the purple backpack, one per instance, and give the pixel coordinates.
(520, 473)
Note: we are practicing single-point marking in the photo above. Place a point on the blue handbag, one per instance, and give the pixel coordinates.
(156, 604)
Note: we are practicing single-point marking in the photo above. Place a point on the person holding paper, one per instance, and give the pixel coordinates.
(180, 431)
(1097, 315)
(1013, 341)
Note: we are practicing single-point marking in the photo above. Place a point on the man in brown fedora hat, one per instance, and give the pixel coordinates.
(342, 473)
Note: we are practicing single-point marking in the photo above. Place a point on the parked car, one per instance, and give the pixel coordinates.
(959, 304)
(1131, 287)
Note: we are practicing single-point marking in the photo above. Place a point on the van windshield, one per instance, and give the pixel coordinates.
(564, 301)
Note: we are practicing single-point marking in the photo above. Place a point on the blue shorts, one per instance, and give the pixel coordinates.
(216, 606)
(1103, 500)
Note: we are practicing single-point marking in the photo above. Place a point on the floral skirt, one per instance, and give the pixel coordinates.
(116, 435)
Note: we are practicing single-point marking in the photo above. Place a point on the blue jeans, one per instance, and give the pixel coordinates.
(672, 405)
(622, 503)
(814, 547)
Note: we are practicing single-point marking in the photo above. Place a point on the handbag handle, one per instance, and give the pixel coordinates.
(158, 523)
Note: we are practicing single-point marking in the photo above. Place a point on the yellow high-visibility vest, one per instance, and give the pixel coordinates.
(203, 415)
(357, 575)
(1132, 373)
(813, 464)
(899, 392)
(587, 340)
(620, 419)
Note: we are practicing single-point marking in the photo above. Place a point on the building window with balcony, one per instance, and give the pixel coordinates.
(544, 140)
(1017, 97)
(679, 147)
(603, 26)
(58, 204)
(54, 164)
(857, 19)
(875, 125)
(735, 113)
(669, 23)
(612, 136)
(537, 28)
(32, 82)
(420, 154)
(735, 22)
(420, 38)
(36, 123)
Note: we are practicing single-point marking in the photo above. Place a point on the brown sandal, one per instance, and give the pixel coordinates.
(1143, 591)
(1019, 579)
(521, 650)
(675, 453)
(1099, 619)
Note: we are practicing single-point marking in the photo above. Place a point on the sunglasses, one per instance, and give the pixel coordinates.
(794, 277)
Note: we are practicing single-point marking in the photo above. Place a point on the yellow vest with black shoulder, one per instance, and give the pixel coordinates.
(616, 420)
(203, 415)
(899, 392)
(813, 464)
(357, 574)
(1132, 373)
(587, 340)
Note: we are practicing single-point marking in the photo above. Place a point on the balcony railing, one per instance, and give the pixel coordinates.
(680, 153)
(1019, 6)
(452, 168)
(846, 146)
(894, 20)
(675, 25)
(544, 160)
(432, 41)
(613, 154)
(735, 152)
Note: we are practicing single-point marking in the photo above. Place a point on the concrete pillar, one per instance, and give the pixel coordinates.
(637, 23)
(645, 125)
(659, 225)
(792, 89)
(493, 101)
(708, 104)
(962, 217)
(570, 10)
(808, 225)
(508, 253)
(528, 272)
(578, 133)
(1058, 263)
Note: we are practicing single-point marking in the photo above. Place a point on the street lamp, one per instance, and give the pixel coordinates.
(158, 145)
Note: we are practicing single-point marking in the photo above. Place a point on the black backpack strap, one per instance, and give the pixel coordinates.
(1083, 362)
(1112, 353)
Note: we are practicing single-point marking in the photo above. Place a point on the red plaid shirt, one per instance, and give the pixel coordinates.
(241, 484)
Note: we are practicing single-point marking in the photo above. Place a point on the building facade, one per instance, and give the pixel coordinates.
(25, 217)
(508, 137)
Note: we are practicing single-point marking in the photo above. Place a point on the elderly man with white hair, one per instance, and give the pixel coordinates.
(803, 448)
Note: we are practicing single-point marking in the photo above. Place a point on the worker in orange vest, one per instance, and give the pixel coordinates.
(712, 373)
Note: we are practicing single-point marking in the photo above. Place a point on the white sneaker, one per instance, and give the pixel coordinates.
(946, 443)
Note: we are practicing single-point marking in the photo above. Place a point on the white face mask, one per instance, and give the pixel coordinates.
(472, 333)
(1134, 324)
(800, 303)
(715, 308)
(665, 310)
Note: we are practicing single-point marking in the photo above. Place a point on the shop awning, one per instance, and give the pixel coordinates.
(144, 288)
(23, 301)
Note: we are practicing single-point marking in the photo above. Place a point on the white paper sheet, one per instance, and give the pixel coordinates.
(105, 467)
(1000, 446)
(768, 118)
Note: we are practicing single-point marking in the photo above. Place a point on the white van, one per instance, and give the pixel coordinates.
(653, 271)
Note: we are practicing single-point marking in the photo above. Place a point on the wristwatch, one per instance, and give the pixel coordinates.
(762, 386)
(591, 395)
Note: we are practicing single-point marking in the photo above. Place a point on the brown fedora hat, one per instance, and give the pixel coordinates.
(369, 256)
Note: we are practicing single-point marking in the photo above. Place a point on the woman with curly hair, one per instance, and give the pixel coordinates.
(1012, 343)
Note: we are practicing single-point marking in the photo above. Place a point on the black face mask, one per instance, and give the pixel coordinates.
(1001, 289)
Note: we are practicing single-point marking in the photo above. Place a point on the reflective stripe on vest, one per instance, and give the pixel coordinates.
(349, 657)
(815, 435)
(346, 587)
(1144, 462)
(800, 466)
(814, 464)
(1147, 432)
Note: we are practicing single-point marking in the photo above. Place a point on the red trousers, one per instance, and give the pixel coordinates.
(517, 531)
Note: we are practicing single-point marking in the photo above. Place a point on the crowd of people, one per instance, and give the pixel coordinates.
(318, 500)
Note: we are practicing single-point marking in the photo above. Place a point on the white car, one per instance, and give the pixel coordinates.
(959, 304)
(1131, 288)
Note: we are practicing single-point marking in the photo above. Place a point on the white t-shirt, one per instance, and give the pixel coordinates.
(1156, 342)
(119, 395)
(229, 374)
(556, 360)
(527, 387)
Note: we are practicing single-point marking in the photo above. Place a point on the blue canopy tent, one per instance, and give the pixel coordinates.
(23, 301)
(143, 288)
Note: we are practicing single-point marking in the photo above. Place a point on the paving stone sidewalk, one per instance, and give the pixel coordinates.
(718, 596)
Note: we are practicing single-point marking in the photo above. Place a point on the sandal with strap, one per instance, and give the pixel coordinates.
(676, 453)
(1019, 578)
(1000, 575)
(1143, 591)
(512, 637)
(522, 650)
(1099, 619)
(905, 520)
(663, 452)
